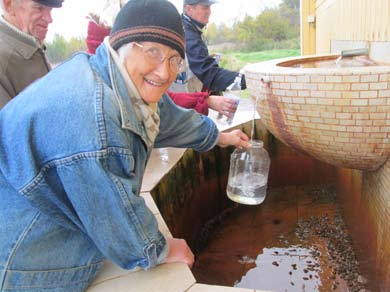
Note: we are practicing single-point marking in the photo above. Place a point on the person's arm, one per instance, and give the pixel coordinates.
(204, 66)
(235, 138)
(95, 34)
(5, 97)
(102, 193)
(201, 102)
(182, 128)
(179, 251)
(102, 190)
(191, 130)
(194, 100)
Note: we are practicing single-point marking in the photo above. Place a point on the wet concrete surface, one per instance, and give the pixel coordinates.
(295, 240)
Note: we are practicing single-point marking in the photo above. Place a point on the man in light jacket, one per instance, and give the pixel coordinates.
(23, 28)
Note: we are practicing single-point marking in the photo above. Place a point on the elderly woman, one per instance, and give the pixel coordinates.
(72, 157)
(99, 27)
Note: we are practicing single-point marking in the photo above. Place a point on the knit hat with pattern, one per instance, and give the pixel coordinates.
(148, 20)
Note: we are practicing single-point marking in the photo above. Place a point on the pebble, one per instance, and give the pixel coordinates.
(339, 244)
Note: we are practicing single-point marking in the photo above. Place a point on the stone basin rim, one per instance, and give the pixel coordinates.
(343, 122)
(273, 67)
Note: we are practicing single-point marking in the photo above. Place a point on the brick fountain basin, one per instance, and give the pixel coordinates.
(337, 113)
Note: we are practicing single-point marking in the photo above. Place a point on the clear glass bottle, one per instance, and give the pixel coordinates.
(248, 174)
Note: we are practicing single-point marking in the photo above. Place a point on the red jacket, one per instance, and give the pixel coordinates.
(195, 100)
(95, 36)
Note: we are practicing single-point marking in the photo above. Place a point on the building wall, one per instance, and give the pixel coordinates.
(308, 27)
(346, 24)
(351, 20)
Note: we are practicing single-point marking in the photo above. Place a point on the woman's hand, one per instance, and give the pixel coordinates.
(224, 105)
(235, 138)
(179, 251)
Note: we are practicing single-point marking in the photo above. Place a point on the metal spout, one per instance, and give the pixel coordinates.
(354, 52)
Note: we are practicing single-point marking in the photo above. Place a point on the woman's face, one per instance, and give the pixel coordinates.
(152, 68)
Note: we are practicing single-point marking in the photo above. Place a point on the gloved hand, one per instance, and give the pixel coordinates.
(236, 85)
(243, 82)
(239, 83)
(110, 11)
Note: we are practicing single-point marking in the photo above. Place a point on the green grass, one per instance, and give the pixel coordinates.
(265, 55)
(236, 60)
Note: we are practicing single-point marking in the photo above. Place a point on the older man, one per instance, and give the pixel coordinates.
(23, 28)
(71, 167)
(195, 17)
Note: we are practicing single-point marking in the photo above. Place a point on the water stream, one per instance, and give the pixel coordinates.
(254, 117)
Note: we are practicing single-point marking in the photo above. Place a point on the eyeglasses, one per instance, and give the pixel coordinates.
(156, 56)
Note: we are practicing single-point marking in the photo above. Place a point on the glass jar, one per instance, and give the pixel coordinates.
(248, 174)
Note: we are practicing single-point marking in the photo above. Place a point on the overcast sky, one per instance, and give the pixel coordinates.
(69, 21)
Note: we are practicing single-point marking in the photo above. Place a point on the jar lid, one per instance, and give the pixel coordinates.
(257, 143)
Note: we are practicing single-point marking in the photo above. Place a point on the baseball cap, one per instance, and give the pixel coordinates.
(50, 3)
(203, 2)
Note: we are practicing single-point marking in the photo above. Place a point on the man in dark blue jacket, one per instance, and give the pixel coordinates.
(195, 17)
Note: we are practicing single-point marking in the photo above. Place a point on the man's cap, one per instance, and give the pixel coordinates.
(203, 2)
(50, 3)
(149, 21)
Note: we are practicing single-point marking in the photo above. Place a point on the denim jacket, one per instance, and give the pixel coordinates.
(72, 158)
